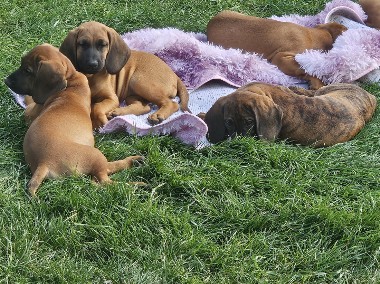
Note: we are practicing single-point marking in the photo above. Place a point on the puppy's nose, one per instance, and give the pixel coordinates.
(93, 64)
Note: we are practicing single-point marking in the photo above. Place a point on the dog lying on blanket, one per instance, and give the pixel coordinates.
(319, 118)
(372, 9)
(59, 140)
(118, 74)
(278, 42)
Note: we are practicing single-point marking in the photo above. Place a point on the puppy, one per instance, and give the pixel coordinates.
(372, 9)
(319, 118)
(60, 139)
(278, 42)
(118, 74)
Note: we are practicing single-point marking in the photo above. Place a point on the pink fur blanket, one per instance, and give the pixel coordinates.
(210, 71)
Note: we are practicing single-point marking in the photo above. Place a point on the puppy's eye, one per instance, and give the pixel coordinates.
(82, 43)
(103, 44)
(28, 70)
(228, 122)
(249, 121)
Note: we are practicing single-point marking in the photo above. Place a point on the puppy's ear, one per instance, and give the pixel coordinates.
(214, 119)
(49, 80)
(268, 118)
(69, 46)
(118, 53)
(333, 28)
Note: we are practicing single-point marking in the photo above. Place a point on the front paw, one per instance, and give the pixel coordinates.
(116, 112)
(99, 122)
(155, 119)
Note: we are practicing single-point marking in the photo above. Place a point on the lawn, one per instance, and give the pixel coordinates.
(243, 211)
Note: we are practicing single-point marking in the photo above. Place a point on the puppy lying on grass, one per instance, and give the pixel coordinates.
(278, 42)
(60, 139)
(319, 118)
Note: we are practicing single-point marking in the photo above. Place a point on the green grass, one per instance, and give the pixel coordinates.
(243, 211)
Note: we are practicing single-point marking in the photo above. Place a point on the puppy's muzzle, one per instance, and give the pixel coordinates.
(93, 66)
(11, 84)
(8, 81)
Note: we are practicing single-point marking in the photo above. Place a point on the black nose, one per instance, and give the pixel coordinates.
(93, 64)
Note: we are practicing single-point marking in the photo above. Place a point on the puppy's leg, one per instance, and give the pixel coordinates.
(102, 174)
(32, 111)
(166, 109)
(38, 176)
(100, 110)
(134, 105)
(117, 166)
(285, 61)
(28, 100)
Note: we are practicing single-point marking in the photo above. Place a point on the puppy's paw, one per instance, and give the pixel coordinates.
(155, 119)
(316, 84)
(116, 112)
(97, 124)
(201, 115)
(137, 160)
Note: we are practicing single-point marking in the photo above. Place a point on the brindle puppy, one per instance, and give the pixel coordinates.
(330, 115)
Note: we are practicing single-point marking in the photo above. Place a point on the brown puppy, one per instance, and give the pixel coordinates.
(330, 115)
(118, 74)
(59, 140)
(372, 9)
(278, 42)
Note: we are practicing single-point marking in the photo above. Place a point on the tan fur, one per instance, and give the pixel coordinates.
(60, 138)
(372, 9)
(319, 118)
(277, 41)
(136, 77)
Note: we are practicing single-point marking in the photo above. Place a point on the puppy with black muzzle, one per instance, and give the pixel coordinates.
(60, 138)
(319, 118)
(117, 74)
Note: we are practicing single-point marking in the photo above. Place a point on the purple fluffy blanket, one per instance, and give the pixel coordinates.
(210, 71)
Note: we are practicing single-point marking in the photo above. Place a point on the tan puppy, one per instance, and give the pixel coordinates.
(277, 41)
(60, 139)
(117, 74)
(330, 115)
(372, 9)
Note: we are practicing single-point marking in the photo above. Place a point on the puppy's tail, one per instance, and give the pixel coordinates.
(183, 95)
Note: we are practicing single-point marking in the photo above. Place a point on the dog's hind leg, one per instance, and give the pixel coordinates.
(39, 175)
(117, 166)
(102, 175)
(285, 61)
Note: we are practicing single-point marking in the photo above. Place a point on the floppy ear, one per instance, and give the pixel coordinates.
(333, 28)
(214, 119)
(69, 46)
(118, 53)
(268, 119)
(49, 80)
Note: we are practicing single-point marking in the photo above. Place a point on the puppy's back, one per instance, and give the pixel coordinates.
(264, 36)
(359, 100)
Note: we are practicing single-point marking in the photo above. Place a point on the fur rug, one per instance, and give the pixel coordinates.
(210, 71)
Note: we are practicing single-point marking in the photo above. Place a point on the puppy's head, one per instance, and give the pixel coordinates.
(93, 46)
(332, 28)
(243, 113)
(42, 73)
